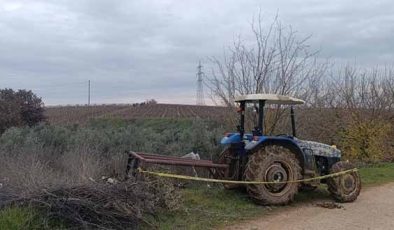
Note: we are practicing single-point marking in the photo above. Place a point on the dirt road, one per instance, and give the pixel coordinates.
(374, 209)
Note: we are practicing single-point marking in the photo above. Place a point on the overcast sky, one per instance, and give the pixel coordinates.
(136, 50)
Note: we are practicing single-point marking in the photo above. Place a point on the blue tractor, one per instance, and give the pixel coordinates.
(256, 157)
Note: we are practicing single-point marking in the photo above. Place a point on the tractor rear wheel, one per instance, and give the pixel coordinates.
(273, 163)
(347, 187)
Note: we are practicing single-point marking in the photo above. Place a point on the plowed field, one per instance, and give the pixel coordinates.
(81, 114)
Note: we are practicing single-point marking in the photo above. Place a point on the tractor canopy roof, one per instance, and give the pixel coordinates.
(270, 99)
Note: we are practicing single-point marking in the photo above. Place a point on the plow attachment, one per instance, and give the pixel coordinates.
(141, 160)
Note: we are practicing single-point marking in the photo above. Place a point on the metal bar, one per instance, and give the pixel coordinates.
(129, 160)
(292, 116)
(133, 162)
(241, 126)
(170, 160)
(88, 92)
(135, 166)
(136, 155)
(180, 160)
(177, 160)
(261, 117)
(180, 163)
(155, 156)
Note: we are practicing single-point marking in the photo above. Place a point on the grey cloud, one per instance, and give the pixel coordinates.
(136, 50)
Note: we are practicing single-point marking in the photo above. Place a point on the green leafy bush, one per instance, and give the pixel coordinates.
(19, 108)
(366, 141)
(104, 141)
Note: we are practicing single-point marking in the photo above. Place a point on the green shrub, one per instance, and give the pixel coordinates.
(365, 141)
(108, 137)
(16, 218)
(19, 108)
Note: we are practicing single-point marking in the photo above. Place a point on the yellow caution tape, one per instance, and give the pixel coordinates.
(169, 175)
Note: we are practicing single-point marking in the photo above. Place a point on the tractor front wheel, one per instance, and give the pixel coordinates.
(347, 187)
(272, 163)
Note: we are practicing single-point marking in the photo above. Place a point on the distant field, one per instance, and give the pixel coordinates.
(81, 114)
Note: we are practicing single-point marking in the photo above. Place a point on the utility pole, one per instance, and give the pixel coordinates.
(89, 93)
(200, 90)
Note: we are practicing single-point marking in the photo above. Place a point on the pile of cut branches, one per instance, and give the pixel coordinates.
(101, 205)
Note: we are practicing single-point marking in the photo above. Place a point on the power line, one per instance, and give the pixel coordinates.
(200, 90)
(88, 92)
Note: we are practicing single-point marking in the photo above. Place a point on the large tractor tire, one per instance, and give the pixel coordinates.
(272, 163)
(347, 187)
(226, 157)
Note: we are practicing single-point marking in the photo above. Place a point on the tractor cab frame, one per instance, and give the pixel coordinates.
(242, 143)
(262, 100)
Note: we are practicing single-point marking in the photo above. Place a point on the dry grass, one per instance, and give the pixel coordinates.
(70, 188)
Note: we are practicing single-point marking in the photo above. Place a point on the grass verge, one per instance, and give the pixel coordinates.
(17, 218)
(208, 208)
(377, 174)
(205, 207)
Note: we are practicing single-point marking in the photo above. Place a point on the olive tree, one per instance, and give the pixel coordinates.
(20, 108)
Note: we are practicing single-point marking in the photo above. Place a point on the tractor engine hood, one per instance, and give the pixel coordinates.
(319, 149)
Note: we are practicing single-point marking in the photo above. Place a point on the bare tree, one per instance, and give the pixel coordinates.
(366, 94)
(276, 61)
(347, 105)
(358, 111)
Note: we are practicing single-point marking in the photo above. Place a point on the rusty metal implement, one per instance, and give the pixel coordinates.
(139, 159)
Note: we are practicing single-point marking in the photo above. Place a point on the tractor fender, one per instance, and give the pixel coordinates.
(231, 138)
(262, 141)
(234, 138)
